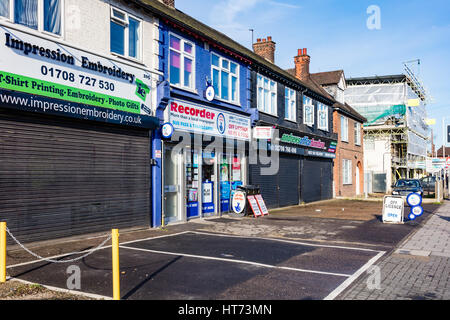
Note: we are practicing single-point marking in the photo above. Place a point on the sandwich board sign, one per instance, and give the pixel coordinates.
(262, 205)
(254, 205)
(393, 207)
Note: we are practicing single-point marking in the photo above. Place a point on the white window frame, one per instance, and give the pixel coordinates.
(183, 54)
(308, 105)
(322, 109)
(347, 177)
(126, 22)
(291, 99)
(40, 15)
(357, 126)
(271, 109)
(344, 129)
(221, 69)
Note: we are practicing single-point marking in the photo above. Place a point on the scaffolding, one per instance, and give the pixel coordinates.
(385, 102)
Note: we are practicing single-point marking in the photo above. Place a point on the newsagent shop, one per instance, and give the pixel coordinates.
(75, 139)
(206, 125)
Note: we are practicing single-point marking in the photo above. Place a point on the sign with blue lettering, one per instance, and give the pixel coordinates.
(393, 207)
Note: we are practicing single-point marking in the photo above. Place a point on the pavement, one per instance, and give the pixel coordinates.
(419, 269)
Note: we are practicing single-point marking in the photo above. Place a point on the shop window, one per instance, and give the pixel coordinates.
(181, 62)
(322, 111)
(308, 111)
(347, 172)
(344, 129)
(267, 95)
(125, 34)
(41, 15)
(290, 104)
(225, 78)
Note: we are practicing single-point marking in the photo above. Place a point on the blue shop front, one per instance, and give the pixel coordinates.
(205, 127)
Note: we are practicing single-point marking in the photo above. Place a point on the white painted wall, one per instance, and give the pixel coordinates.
(87, 26)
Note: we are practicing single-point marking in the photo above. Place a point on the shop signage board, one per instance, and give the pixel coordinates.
(393, 207)
(298, 143)
(86, 85)
(262, 205)
(264, 133)
(254, 205)
(189, 117)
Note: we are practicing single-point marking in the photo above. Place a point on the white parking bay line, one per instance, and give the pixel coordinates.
(237, 261)
(353, 277)
(286, 241)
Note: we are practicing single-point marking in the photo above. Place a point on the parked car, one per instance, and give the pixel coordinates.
(404, 187)
(429, 184)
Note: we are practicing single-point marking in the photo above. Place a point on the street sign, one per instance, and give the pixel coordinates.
(414, 200)
(393, 207)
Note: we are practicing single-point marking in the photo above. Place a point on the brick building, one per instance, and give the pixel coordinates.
(348, 124)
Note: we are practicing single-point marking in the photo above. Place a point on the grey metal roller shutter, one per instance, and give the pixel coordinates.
(62, 177)
(316, 179)
(288, 180)
(282, 188)
(268, 185)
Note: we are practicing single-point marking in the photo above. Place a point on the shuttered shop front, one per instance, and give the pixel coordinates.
(282, 188)
(61, 177)
(316, 179)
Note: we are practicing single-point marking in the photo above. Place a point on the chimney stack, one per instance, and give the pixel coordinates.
(265, 48)
(169, 3)
(302, 61)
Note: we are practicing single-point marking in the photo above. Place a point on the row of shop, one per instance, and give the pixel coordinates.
(87, 149)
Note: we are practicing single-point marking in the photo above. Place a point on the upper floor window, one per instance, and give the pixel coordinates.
(344, 129)
(308, 111)
(225, 78)
(125, 34)
(290, 104)
(322, 111)
(267, 95)
(181, 62)
(41, 15)
(357, 133)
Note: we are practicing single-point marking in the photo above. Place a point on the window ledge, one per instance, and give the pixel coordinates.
(138, 61)
(237, 104)
(184, 89)
(290, 120)
(270, 114)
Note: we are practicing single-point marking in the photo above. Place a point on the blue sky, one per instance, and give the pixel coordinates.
(337, 37)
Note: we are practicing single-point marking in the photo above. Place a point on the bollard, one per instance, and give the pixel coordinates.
(2, 252)
(115, 264)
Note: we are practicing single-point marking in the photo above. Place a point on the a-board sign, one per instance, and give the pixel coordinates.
(254, 206)
(262, 205)
(238, 202)
(393, 207)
